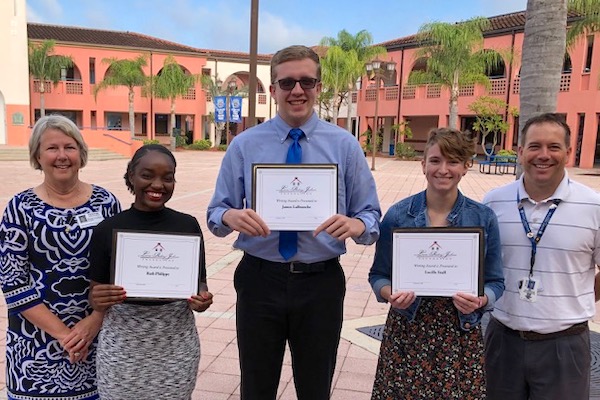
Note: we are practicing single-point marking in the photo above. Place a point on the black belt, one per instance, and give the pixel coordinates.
(294, 267)
(531, 335)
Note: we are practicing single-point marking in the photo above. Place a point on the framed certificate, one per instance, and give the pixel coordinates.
(156, 266)
(294, 197)
(438, 261)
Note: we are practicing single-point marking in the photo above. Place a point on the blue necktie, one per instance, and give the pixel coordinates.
(288, 240)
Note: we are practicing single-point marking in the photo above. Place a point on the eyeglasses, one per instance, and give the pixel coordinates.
(290, 83)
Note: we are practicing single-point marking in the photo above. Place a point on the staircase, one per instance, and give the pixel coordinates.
(13, 153)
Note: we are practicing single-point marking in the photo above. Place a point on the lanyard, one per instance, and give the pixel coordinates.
(535, 239)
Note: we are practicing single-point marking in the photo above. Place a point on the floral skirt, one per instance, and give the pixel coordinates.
(430, 358)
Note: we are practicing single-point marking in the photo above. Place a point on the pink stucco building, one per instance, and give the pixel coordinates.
(426, 106)
(104, 119)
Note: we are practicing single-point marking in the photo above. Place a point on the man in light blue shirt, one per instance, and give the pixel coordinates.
(298, 296)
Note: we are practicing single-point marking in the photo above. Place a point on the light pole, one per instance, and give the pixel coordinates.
(231, 87)
(377, 69)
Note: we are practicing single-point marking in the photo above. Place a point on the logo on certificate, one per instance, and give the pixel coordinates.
(296, 187)
(158, 253)
(435, 252)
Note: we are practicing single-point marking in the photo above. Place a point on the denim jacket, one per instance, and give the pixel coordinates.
(411, 213)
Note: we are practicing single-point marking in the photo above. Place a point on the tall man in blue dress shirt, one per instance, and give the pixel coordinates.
(297, 298)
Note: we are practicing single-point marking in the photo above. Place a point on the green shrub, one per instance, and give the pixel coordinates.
(504, 152)
(222, 147)
(180, 141)
(506, 155)
(203, 144)
(404, 150)
(151, 141)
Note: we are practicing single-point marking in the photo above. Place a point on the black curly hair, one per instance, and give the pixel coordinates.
(141, 152)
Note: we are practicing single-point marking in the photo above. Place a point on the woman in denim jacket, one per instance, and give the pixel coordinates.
(432, 347)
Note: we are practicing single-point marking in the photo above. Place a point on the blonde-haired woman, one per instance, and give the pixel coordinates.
(44, 247)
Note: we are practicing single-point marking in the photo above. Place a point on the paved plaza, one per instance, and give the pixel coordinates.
(219, 375)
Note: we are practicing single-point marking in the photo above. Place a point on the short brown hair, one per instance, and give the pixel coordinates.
(293, 53)
(454, 144)
(547, 118)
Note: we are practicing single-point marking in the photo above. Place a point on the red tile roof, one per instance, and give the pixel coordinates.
(499, 25)
(98, 37)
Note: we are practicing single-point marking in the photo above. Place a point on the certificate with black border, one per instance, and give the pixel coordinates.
(294, 197)
(156, 266)
(438, 261)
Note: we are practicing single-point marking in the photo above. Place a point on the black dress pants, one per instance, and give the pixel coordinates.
(275, 306)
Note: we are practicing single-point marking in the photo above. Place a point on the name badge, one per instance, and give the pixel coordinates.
(528, 290)
(89, 219)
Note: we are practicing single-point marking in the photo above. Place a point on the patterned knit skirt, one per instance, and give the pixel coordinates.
(430, 358)
(148, 352)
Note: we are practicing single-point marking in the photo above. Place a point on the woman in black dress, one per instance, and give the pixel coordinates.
(146, 349)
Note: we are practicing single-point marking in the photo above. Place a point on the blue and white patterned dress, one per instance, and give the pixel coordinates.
(44, 260)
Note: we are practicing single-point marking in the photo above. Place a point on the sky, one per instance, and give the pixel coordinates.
(225, 25)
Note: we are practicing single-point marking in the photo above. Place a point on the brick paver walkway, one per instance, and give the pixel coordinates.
(219, 375)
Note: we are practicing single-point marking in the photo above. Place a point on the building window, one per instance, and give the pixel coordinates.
(92, 70)
(113, 121)
(588, 54)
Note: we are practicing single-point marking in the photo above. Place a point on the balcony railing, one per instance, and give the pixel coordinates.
(74, 87)
(190, 95)
(434, 91)
(467, 90)
(498, 86)
(67, 87)
(565, 84)
(409, 92)
(389, 93)
(48, 86)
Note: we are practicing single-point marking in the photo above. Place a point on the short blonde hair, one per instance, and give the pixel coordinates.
(61, 123)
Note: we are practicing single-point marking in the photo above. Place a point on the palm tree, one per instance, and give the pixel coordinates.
(542, 59)
(455, 57)
(588, 21)
(352, 66)
(46, 66)
(128, 73)
(214, 87)
(170, 83)
(339, 69)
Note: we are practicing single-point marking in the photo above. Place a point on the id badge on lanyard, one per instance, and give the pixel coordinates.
(528, 286)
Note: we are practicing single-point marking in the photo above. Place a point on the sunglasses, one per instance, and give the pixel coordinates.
(290, 83)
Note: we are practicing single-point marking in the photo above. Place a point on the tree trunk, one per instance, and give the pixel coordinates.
(542, 58)
(42, 101)
(453, 117)
(335, 107)
(173, 123)
(349, 115)
(218, 137)
(131, 114)
(211, 135)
